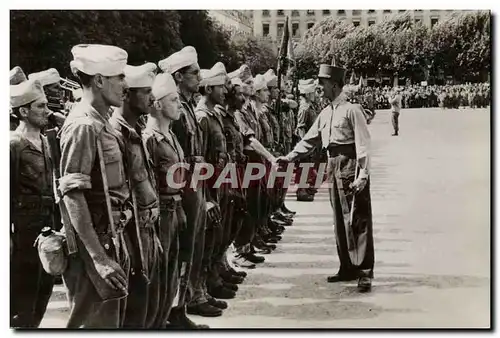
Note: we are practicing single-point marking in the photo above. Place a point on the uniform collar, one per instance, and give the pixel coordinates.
(131, 131)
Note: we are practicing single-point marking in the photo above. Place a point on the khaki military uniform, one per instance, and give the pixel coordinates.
(32, 208)
(80, 170)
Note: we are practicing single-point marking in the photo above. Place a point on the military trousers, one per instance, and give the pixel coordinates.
(144, 282)
(172, 222)
(255, 213)
(395, 121)
(88, 308)
(192, 240)
(30, 286)
(352, 214)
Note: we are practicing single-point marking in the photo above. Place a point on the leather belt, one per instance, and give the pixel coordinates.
(348, 150)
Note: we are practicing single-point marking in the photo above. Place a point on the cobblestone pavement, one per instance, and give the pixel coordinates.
(431, 206)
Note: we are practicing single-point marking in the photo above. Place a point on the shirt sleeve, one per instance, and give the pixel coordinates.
(309, 142)
(361, 137)
(78, 153)
(245, 129)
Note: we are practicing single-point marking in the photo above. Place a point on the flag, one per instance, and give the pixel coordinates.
(353, 78)
(290, 54)
(282, 56)
(361, 81)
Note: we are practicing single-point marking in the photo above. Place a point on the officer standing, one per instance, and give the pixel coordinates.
(166, 152)
(32, 204)
(395, 101)
(342, 129)
(184, 68)
(95, 191)
(143, 288)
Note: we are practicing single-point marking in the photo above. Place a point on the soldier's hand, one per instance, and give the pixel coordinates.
(213, 213)
(112, 273)
(358, 185)
(282, 159)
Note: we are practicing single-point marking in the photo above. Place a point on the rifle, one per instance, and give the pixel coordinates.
(55, 155)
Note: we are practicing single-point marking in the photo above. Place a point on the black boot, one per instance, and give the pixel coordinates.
(204, 310)
(179, 320)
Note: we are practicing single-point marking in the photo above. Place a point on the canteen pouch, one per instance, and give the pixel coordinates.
(52, 252)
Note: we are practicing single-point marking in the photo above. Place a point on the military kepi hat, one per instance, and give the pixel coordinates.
(331, 72)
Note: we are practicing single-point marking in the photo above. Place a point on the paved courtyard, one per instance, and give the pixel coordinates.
(431, 208)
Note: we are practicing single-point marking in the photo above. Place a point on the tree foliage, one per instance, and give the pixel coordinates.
(459, 45)
(43, 39)
(257, 52)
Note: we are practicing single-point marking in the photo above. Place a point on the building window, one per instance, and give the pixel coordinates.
(370, 11)
(371, 22)
(281, 26)
(326, 12)
(295, 13)
(310, 25)
(419, 10)
(356, 12)
(295, 29)
(280, 12)
(341, 12)
(418, 21)
(355, 23)
(310, 12)
(387, 10)
(434, 21)
(265, 29)
(265, 12)
(402, 10)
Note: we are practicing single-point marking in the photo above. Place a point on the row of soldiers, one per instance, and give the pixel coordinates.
(141, 252)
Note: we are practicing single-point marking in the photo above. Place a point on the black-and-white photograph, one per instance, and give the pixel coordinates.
(250, 169)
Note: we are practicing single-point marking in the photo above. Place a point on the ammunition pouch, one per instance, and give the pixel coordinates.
(147, 218)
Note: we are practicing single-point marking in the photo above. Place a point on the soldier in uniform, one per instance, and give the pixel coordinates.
(95, 191)
(280, 212)
(395, 101)
(166, 152)
(305, 119)
(263, 235)
(250, 127)
(143, 288)
(50, 81)
(342, 129)
(184, 68)
(235, 142)
(213, 90)
(266, 232)
(32, 204)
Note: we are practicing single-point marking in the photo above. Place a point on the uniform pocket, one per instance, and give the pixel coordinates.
(114, 167)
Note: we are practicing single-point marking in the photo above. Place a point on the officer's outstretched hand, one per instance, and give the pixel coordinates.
(358, 185)
(112, 273)
(282, 159)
